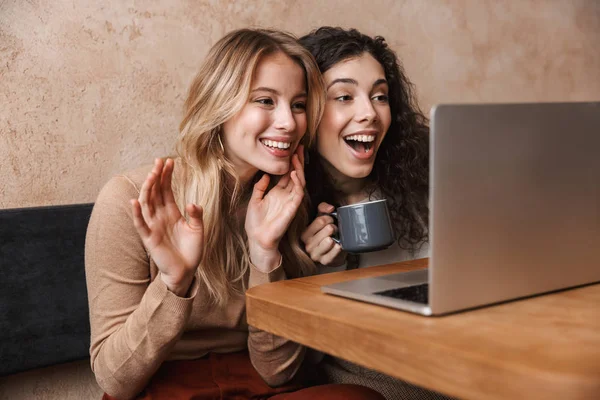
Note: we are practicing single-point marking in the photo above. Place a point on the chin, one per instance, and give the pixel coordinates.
(358, 172)
(276, 169)
(362, 174)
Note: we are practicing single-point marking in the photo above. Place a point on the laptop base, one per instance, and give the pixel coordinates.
(366, 290)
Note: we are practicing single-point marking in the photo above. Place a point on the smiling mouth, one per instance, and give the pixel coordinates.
(360, 143)
(276, 144)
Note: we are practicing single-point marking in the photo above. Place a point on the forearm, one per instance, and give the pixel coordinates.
(134, 322)
(276, 359)
(126, 355)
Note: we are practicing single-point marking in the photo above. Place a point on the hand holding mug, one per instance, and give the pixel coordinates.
(318, 240)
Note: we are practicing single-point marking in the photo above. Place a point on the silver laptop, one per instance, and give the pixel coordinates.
(514, 208)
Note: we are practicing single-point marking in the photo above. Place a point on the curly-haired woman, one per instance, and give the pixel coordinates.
(372, 143)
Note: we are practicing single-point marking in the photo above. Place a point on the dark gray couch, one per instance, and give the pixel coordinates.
(43, 297)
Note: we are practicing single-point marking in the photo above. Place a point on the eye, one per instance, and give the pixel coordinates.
(266, 101)
(381, 98)
(344, 98)
(299, 106)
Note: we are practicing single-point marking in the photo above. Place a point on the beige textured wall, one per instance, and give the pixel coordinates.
(89, 88)
(92, 87)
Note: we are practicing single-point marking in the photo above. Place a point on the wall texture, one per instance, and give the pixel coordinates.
(89, 88)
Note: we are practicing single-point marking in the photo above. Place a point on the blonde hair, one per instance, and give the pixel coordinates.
(219, 91)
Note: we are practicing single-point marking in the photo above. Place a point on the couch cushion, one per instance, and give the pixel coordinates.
(43, 296)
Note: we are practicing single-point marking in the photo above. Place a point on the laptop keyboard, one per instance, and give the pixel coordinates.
(417, 293)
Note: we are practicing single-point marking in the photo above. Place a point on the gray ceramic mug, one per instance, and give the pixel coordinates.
(364, 227)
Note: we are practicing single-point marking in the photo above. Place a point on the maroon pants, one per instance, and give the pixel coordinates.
(232, 376)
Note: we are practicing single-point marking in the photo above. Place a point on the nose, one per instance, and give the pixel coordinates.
(364, 110)
(284, 119)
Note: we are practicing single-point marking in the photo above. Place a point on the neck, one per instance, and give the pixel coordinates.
(244, 172)
(246, 176)
(350, 190)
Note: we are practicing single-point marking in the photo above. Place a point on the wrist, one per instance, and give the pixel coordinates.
(265, 260)
(180, 287)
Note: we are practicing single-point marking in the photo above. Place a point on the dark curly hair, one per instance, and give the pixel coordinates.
(401, 169)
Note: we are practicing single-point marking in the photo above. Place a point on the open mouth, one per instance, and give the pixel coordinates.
(361, 143)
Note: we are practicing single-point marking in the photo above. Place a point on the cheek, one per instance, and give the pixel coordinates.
(259, 121)
(301, 123)
(333, 122)
(385, 116)
(327, 141)
(253, 122)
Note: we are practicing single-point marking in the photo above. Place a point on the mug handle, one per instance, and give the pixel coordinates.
(338, 241)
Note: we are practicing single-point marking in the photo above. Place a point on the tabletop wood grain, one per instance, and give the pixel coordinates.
(543, 347)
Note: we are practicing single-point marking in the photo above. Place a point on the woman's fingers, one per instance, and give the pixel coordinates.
(284, 181)
(325, 208)
(331, 255)
(297, 164)
(156, 193)
(317, 225)
(195, 221)
(260, 188)
(315, 241)
(322, 249)
(167, 176)
(145, 196)
(298, 188)
(156, 188)
(138, 219)
(299, 169)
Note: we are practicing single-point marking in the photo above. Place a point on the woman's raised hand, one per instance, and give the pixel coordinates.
(175, 245)
(269, 215)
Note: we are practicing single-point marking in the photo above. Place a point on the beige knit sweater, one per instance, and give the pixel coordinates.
(137, 323)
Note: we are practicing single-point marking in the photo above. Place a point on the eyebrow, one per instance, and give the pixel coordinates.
(380, 81)
(265, 89)
(355, 82)
(343, 80)
(275, 92)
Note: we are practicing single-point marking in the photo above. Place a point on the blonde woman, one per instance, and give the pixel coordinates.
(170, 253)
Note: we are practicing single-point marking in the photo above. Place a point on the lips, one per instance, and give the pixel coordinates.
(279, 147)
(276, 144)
(361, 144)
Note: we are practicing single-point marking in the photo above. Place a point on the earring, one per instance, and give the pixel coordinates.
(220, 142)
(222, 155)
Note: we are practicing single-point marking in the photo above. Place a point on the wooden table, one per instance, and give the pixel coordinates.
(545, 347)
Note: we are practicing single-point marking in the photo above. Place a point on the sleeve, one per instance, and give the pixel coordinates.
(134, 322)
(276, 359)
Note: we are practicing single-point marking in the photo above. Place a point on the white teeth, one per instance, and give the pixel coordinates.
(275, 144)
(361, 138)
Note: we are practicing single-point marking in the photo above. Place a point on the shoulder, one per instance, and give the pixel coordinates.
(132, 179)
(125, 185)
